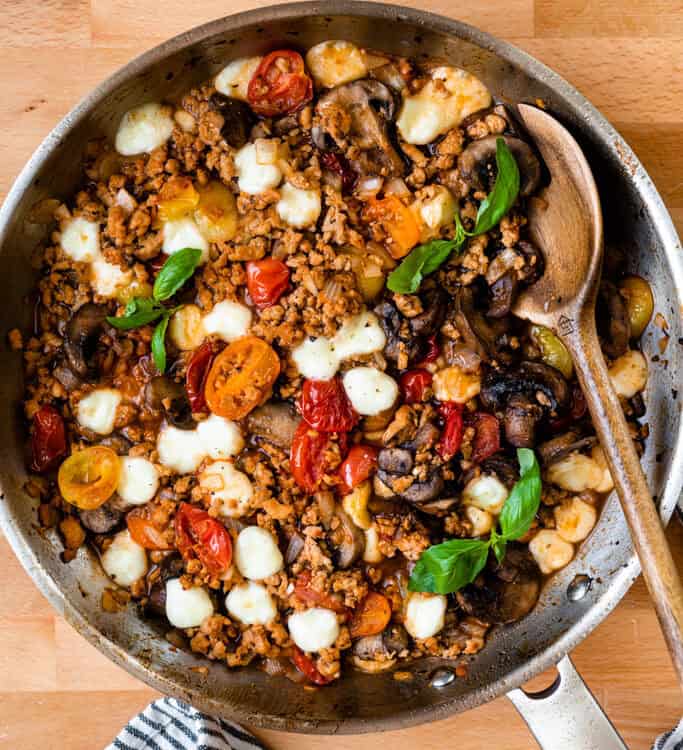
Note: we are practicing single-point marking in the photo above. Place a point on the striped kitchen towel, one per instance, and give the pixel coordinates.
(672, 740)
(170, 724)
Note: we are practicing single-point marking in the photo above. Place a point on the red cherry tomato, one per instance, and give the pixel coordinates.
(305, 593)
(414, 385)
(433, 351)
(197, 371)
(339, 164)
(48, 441)
(307, 457)
(267, 281)
(486, 437)
(279, 84)
(357, 466)
(198, 535)
(144, 531)
(326, 407)
(306, 666)
(453, 428)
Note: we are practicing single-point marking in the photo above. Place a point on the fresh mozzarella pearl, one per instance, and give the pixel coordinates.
(550, 551)
(628, 374)
(182, 233)
(439, 210)
(220, 437)
(257, 555)
(443, 102)
(607, 483)
(251, 604)
(425, 614)
(97, 410)
(298, 207)
(233, 80)
(139, 480)
(180, 450)
(369, 390)
(255, 178)
(143, 129)
(485, 492)
(80, 240)
(186, 328)
(481, 520)
(316, 359)
(230, 487)
(124, 560)
(335, 62)
(186, 608)
(372, 552)
(576, 473)
(359, 335)
(314, 629)
(228, 320)
(574, 519)
(108, 278)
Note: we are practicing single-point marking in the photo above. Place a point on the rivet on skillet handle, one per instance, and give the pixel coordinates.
(566, 716)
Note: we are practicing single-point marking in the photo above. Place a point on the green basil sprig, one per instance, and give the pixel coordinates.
(143, 310)
(447, 567)
(427, 258)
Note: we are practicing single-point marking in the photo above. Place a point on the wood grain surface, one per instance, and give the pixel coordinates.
(56, 691)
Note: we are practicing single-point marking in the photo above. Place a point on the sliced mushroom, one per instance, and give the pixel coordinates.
(521, 418)
(503, 467)
(438, 507)
(503, 295)
(347, 540)
(237, 119)
(395, 460)
(461, 356)
(427, 437)
(543, 383)
(396, 329)
(477, 164)
(101, 520)
(377, 653)
(613, 320)
(479, 335)
(422, 492)
(558, 447)
(295, 547)
(81, 337)
(170, 567)
(164, 394)
(274, 422)
(434, 303)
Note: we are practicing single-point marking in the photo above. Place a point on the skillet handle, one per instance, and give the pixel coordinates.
(566, 716)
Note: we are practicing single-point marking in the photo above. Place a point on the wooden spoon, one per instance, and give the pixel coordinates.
(567, 225)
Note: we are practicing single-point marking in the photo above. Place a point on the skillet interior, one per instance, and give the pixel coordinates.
(634, 218)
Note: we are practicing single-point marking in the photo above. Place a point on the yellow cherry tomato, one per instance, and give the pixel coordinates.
(397, 220)
(639, 303)
(216, 214)
(177, 198)
(88, 479)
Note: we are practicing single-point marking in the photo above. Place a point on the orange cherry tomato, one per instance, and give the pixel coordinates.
(308, 595)
(241, 377)
(143, 530)
(279, 84)
(199, 535)
(397, 221)
(267, 281)
(88, 479)
(306, 666)
(177, 198)
(371, 616)
(357, 466)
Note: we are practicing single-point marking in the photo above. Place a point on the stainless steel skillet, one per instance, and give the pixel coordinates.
(635, 219)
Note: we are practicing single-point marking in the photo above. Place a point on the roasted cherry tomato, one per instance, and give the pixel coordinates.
(48, 440)
(197, 373)
(451, 435)
(371, 616)
(432, 353)
(397, 221)
(143, 530)
(339, 164)
(307, 457)
(177, 198)
(279, 84)
(241, 377)
(486, 437)
(305, 593)
(357, 466)
(198, 535)
(306, 666)
(415, 385)
(267, 281)
(326, 407)
(88, 479)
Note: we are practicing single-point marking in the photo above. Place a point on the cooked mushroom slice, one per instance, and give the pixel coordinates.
(543, 383)
(164, 394)
(395, 460)
(274, 422)
(356, 115)
(613, 320)
(503, 295)
(81, 337)
(427, 437)
(435, 303)
(170, 567)
(422, 492)
(237, 118)
(477, 164)
(102, 520)
(479, 335)
(521, 418)
(376, 653)
(438, 507)
(559, 447)
(503, 467)
(399, 338)
(295, 547)
(346, 538)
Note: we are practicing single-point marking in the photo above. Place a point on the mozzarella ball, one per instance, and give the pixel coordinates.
(359, 335)
(251, 604)
(334, 62)
(628, 374)
(186, 608)
(481, 520)
(228, 320)
(316, 359)
(257, 555)
(138, 481)
(230, 488)
(297, 207)
(370, 391)
(454, 384)
(220, 437)
(574, 519)
(180, 450)
(437, 211)
(550, 551)
(314, 629)
(182, 233)
(97, 410)
(124, 560)
(186, 328)
(425, 614)
(607, 483)
(372, 552)
(233, 80)
(575, 473)
(108, 279)
(485, 492)
(254, 178)
(143, 129)
(80, 240)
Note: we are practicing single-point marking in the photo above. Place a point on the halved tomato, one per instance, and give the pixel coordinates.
(371, 616)
(88, 479)
(307, 457)
(306, 666)
(143, 530)
(326, 407)
(357, 466)
(267, 281)
(199, 535)
(279, 84)
(308, 595)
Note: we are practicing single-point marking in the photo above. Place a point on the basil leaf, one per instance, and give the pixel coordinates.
(523, 501)
(445, 568)
(175, 272)
(423, 260)
(498, 545)
(505, 190)
(159, 344)
(139, 312)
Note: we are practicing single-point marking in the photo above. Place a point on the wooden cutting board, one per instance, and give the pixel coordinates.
(56, 691)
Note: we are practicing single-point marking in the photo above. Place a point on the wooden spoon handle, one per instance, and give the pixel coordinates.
(643, 519)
